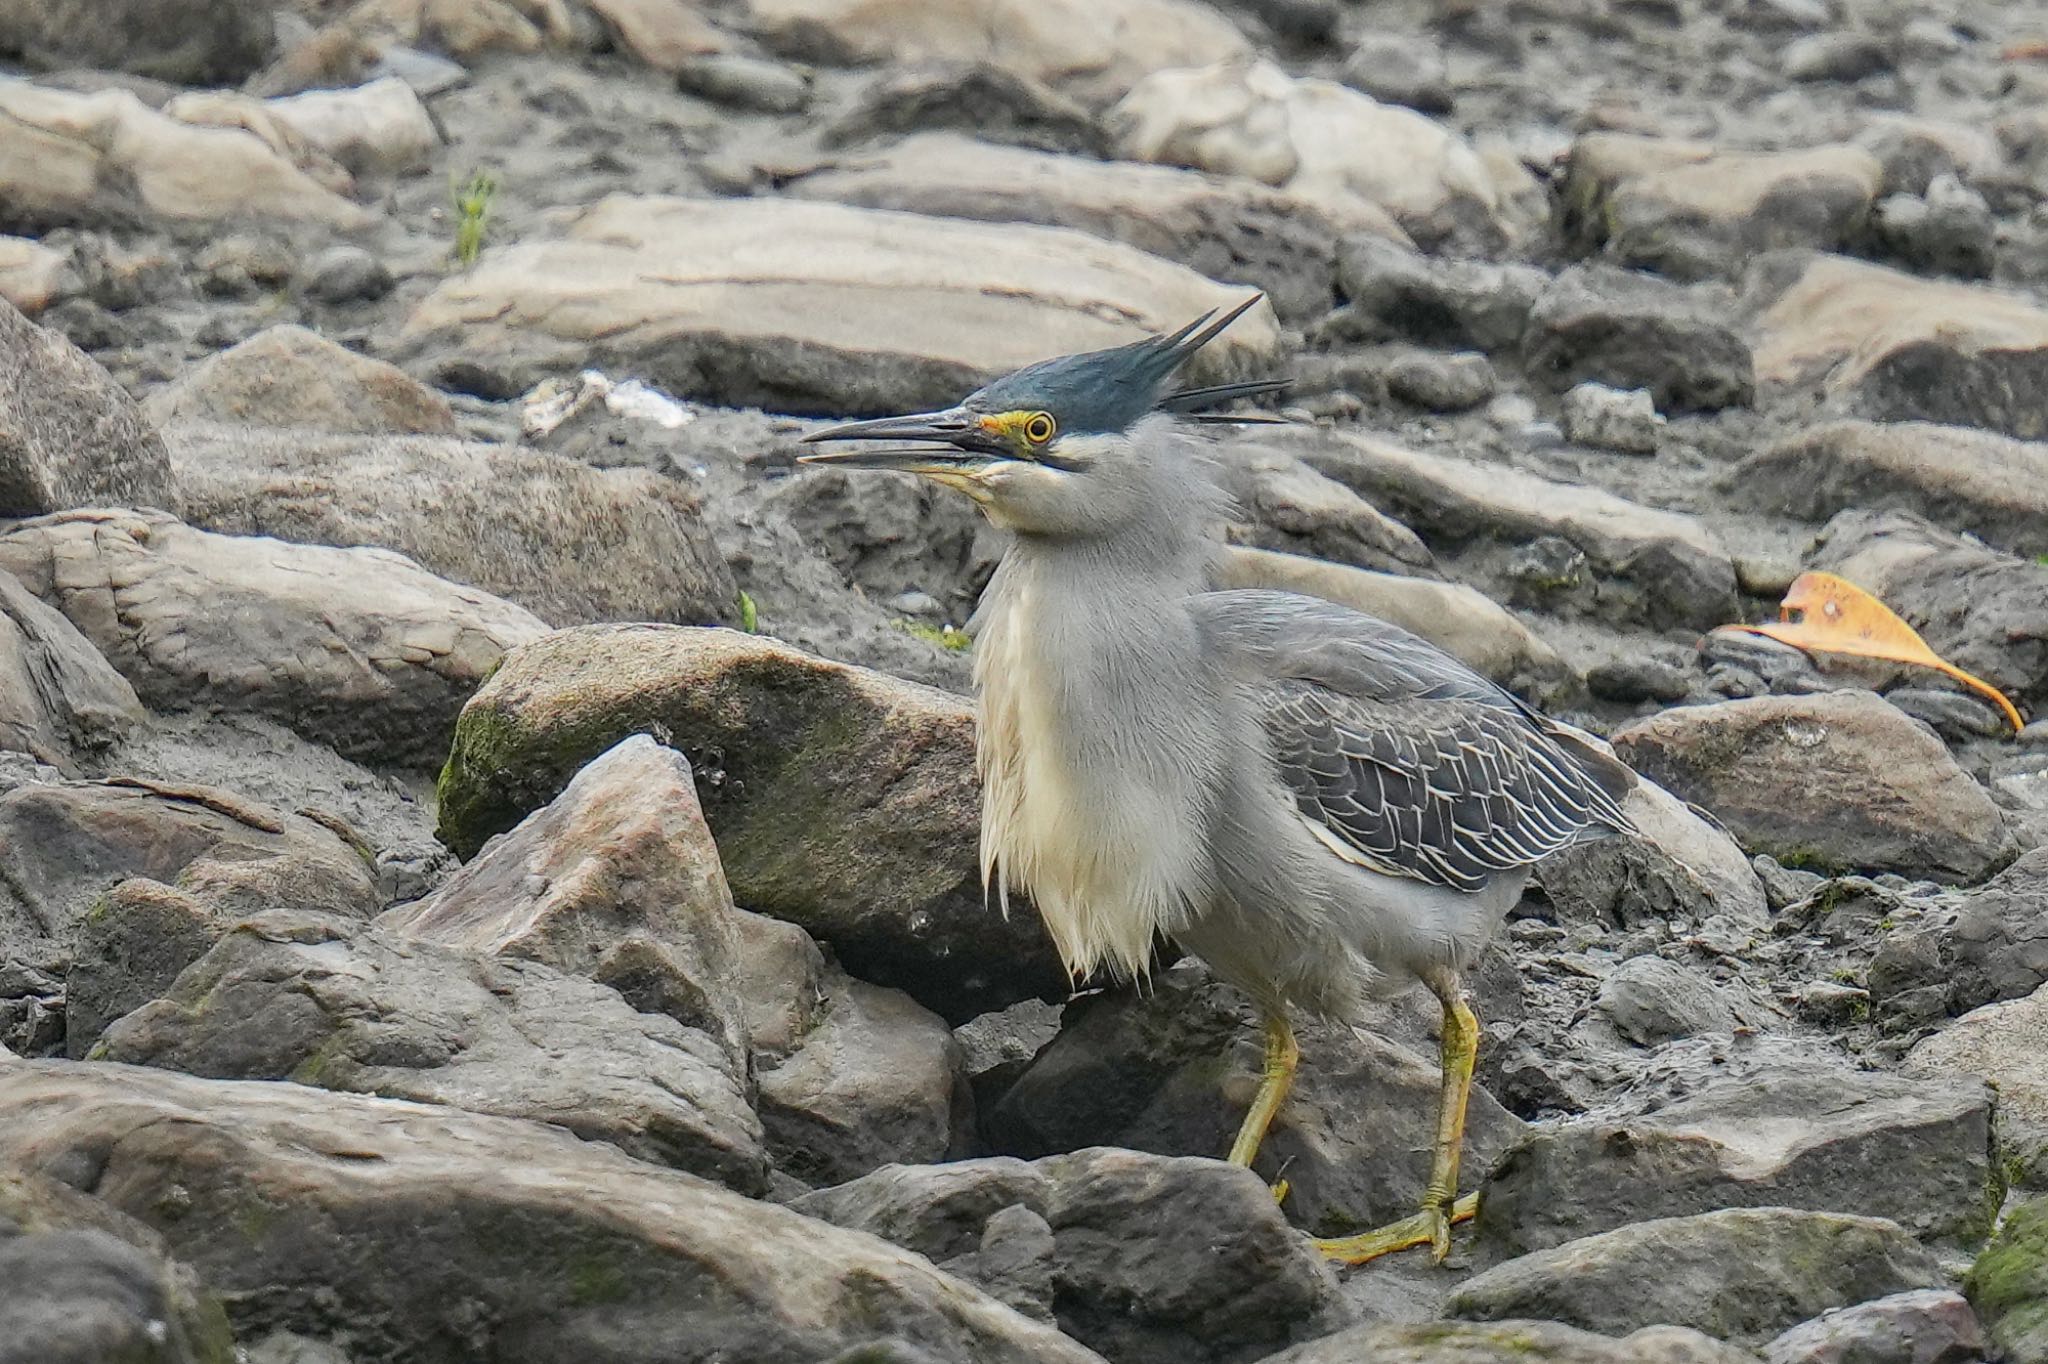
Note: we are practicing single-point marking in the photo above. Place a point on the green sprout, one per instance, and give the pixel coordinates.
(750, 616)
(944, 636)
(472, 203)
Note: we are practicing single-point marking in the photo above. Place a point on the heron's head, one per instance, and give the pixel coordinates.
(1058, 447)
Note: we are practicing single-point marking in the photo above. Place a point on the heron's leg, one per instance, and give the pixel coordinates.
(1282, 1056)
(1441, 1205)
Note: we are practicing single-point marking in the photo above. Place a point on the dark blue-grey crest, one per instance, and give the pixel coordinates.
(1104, 391)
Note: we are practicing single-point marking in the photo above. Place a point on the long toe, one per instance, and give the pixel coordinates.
(1430, 1227)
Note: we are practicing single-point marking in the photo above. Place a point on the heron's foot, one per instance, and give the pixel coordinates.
(1431, 1227)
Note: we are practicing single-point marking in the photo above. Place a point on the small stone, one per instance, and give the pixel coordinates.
(1954, 716)
(1784, 885)
(1948, 231)
(745, 83)
(1650, 1000)
(1612, 419)
(1835, 57)
(1629, 330)
(921, 604)
(1511, 411)
(1399, 68)
(1442, 383)
(1634, 680)
(1766, 575)
(346, 274)
(1549, 572)
(2034, 735)
(1830, 1002)
(1920, 1326)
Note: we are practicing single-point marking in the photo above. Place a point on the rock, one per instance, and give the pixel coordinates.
(59, 698)
(842, 800)
(1777, 1134)
(1835, 57)
(888, 536)
(1510, 1342)
(1460, 620)
(288, 995)
(87, 1285)
(1096, 49)
(1949, 230)
(571, 543)
(185, 42)
(1991, 485)
(1287, 506)
(1985, 612)
(1921, 1326)
(665, 34)
(1740, 1275)
(107, 157)
(69, 435)
(663, 288)
(1886, 345)
(1396, 291)
(1635, 331)
(1225, 229)
(359, 648)
(1650, 1000)
(346, 274)
(32, 275)
(1667, 565)
(1398, 68)
(1129, 1279)
(1690, 210)
(2008, 1283)
(1172, 1071)
(1611, 419)
(1974, 949)
(2001, 1045)
(1632, 681)
(1441, 383)
(617, 879)
(1323, 141)
(286, 376)
(1675, 866)
(986, 99)
(1840, 781)
(744, 83)
(378, 129)
(600, 1238)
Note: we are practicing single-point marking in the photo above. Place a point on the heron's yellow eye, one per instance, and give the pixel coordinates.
(1039, 427)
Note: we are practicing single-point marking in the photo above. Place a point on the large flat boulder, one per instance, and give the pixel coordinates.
(69, 435)
(1883, 344)
(804, 307)
(359, 648)
(843, 800)
(464, 1235)
(1225, 228)
(570, 543)
(1842, 781)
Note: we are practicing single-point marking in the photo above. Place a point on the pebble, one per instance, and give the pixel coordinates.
(1633, 680)
(1836, 57)
(1949, 230)
(1954, 716)
(1442, 383)
(1612, 418)
(745, 83)
(346, 274)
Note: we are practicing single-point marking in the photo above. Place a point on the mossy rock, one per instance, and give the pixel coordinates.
(2009, 1285)
(842, 799)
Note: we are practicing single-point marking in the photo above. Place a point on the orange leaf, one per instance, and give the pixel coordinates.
(1825, 614)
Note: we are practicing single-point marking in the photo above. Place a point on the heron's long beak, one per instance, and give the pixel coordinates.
(955, 441)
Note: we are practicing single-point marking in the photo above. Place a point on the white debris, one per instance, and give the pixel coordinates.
(552, 402)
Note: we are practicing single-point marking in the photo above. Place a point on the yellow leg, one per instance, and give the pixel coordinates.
(1441, 1205)
(1282, 1056)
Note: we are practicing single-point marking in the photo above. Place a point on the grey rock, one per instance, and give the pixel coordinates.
(988, 99)
(1843, 56)
(1171, 1071)
(842, 800)
(1550, 573)
(595, 1238)
(1956, 716)
(1947, 230)
(307, 997)
(889, 536)
(1740, 1275)
(616, 879)
(745, 83)
(1154, 1258)
(2008, 1283)
(1633, 680)
(69, 435)
(1840, 781)
(287, 376)
(1674, 866)
(186, 42)
(1813, 1134)
(2001, 1044)
(1396, 291)
(570, 543)
(1992, 485)
(1630, 331)
(1985, 612)
(1650, 1000)
(346, 274)
(1286, 505)
(1921, 1326)
(1014, 1263)
(59, 697)
(359, 648)
(1400, 68)
(1510, 1342)
(1442, 383)
(1611, 419)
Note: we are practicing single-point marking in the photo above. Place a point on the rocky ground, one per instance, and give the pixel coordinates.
(421, 939)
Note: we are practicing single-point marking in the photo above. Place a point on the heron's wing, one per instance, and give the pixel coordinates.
(1401, 758)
